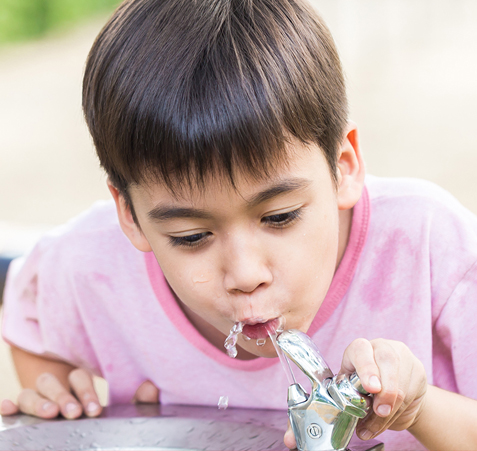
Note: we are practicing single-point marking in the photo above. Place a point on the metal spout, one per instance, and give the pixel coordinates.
(325, 419)
(301, 350)
(296, 395)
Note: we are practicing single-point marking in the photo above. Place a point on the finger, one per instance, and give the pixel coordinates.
(81, 382)
(8, 408)
(289, 438)
(394, 378)
(51, 388)
(31, 403)
(359, 357)
(147, 393)
(373, 425)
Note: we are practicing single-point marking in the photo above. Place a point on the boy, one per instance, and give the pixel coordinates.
(239, 188)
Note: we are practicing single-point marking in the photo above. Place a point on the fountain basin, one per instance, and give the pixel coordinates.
(155, 428)
(151, 427)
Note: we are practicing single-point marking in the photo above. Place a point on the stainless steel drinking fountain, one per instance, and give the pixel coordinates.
(152, 428)
(149, 427)
(325, 419)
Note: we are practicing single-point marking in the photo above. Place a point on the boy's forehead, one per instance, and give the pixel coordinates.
(297, 172)
(252, 191)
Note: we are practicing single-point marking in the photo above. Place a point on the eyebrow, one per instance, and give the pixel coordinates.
(279, 188)
(165, 212)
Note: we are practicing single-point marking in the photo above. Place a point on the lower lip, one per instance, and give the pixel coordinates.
(260, 330)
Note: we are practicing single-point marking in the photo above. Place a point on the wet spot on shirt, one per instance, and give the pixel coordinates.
(102, 279)
(383, 284)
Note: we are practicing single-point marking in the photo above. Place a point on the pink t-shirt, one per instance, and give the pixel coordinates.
(87, 296)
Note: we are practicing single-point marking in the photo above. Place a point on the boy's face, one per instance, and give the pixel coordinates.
(265, 250)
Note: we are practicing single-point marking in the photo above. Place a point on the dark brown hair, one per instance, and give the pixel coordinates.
(176, 90)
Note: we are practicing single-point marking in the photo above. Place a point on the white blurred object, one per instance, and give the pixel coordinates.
(223, 402)
(17, 239)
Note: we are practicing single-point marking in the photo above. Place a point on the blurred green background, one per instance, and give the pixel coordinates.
(25, 19)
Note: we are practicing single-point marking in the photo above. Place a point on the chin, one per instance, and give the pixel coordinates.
(267, 351)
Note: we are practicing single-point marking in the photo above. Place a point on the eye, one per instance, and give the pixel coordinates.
(282, 219)
(194, 240)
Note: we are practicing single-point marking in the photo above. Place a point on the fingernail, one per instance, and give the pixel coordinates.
(375, 382)
(384, 410)
(71, 407)
(92, 407)
(365, 434)
(47, 405)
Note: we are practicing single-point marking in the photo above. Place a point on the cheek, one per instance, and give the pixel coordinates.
(194, 280)
(310, 264)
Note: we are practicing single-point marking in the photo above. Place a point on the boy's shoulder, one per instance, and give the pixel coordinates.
(98, 219)
(94, 232)
(412, 216)
(395, 188)
(420, 235)
(424, 200)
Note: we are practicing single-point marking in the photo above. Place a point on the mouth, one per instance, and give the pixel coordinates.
(260, 329)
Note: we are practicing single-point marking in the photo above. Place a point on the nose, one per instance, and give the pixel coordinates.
(246, 266)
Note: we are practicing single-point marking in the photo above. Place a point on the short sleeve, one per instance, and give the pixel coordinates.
(455, 338)
(40, 314)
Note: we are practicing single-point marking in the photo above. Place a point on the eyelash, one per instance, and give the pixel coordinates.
(186, 241)
(278, 221)
(284, 219)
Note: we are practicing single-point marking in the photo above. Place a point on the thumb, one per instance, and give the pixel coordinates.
(147, 393)
(289, 438)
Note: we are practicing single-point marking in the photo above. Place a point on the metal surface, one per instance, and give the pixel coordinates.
(356, 382)
(151, 427)
(326, 419)
(348, 398)
(155, 428)
(304, 354)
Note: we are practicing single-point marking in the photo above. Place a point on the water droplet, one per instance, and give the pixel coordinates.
(231, 341)
(261, 341)
(200, 278)
(223, 402)
(281, 325)
(246, 337)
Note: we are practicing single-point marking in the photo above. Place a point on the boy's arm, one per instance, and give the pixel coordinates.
(30, 366)
(447, 421)
(52, 387)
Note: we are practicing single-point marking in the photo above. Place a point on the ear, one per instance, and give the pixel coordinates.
(126, 221)
(351, 169)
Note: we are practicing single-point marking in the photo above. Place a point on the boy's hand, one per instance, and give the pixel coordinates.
(390, 371)
(52, 398)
